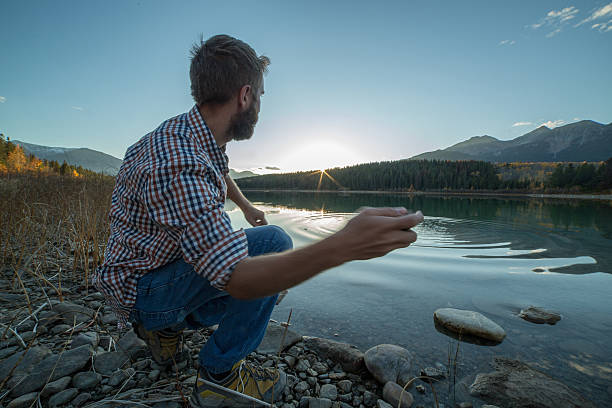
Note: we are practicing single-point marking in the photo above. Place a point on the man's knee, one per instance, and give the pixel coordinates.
(282, 240)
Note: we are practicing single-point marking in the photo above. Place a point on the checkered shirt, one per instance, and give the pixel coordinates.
(167, 204)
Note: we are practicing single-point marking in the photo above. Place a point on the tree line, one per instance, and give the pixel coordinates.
(13, 159)
(439, 175)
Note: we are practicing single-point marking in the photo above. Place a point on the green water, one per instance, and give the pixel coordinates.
(492, 255)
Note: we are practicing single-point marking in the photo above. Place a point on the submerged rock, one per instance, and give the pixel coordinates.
(539, 316)
(468, 326)
(515, 384)
(388, 362)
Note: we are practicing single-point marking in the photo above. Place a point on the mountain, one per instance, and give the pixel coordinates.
(91, 159)
(86, 158)
(580, 141)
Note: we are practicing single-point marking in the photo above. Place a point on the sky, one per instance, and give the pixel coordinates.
(350, 81)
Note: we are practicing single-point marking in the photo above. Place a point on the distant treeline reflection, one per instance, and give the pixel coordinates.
(557, 213)
(437, 175)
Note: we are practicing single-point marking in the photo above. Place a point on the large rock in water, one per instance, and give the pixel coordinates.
(515, 384)
(388, 362)
(271, 342)
(468, 326)
(347, 355)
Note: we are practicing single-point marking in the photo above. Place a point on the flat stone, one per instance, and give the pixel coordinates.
(53, 367)
(392, 393)
(271, 342)
(61, 328)
(319, 403)
(106, 363)
(71, 313)
(86, 380)
(24, 401)
(63, 397)
(91, 338)
(434, 373)
(388, 362)
(468, 326)
(515, 384)
(31, 358)
(539, 316)
(55, 386)
(5, 352)
(329, 391)
(347, 355)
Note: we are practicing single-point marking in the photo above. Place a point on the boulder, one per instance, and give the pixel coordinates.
(539, 316)
(392, 393)
(349, 356)
(388, 362)
(468, 326)
(515, 384)
(271, 342)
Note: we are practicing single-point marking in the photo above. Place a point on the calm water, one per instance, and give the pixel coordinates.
(492, 255)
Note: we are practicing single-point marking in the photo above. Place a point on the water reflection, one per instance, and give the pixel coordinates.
(534, 228)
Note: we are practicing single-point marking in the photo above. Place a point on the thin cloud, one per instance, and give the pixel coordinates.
(556, 19)
(602, 13)
(78, 108)
(522, 124)
(272, 168)
(553, 123)
(507, 42)
(2, 99)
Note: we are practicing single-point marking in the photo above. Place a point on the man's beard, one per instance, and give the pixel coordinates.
(242, 125)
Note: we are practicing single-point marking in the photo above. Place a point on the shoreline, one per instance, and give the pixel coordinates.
(446, 193)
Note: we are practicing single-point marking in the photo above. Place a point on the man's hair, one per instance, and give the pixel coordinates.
(221, 66)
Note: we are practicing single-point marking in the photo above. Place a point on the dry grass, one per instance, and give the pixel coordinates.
(52, 229)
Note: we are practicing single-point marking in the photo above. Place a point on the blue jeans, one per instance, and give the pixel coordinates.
(174, 296)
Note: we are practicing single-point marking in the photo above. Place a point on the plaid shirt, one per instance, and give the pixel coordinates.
(167, 204)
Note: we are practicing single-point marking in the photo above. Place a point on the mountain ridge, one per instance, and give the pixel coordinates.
(585, 140)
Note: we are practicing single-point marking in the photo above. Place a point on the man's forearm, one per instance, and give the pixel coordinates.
(269, 274)
(234, 193)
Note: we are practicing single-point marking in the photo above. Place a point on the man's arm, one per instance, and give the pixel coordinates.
(254, 216)
(372, 233)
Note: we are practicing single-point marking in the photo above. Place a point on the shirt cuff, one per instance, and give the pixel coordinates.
(220, 260)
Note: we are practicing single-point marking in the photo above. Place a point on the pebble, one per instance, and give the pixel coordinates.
(382, 404)
(329, 391)
(319, 403)
(23, 401)
(55, 386)
(106, 363)
(86, 380)
(392, 393)
(91, 338)
(62, 397)
(345, 386)
(80, 399)
(433, 373)
(420, 389)
(369, 399)
(301, 386)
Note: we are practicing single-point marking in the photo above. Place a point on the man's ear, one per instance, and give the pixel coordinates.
(244, 96)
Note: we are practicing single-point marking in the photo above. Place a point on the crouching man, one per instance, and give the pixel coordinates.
(173, 259)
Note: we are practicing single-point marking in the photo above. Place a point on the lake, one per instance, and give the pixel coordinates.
(494, 255)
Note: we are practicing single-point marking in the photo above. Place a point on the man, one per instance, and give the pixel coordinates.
(173, 259)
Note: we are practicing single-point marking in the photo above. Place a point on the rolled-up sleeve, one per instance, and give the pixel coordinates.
(184, 198)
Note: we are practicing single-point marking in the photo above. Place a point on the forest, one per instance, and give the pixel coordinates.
(444, 175)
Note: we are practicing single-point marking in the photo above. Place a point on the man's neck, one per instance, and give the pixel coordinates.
(217, 119)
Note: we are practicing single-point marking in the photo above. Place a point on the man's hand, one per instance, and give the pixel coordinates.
(374, 232)
(254, 216)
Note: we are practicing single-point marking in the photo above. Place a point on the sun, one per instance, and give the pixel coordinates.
(320, 155)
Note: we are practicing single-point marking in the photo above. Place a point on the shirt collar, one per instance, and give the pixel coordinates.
(206, 140)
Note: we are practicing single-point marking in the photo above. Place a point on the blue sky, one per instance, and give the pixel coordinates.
(350, 81)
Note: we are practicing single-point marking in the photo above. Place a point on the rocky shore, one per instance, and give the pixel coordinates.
(69, 353)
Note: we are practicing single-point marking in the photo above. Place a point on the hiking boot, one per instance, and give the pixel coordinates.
(246, 385)
(166, 345)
